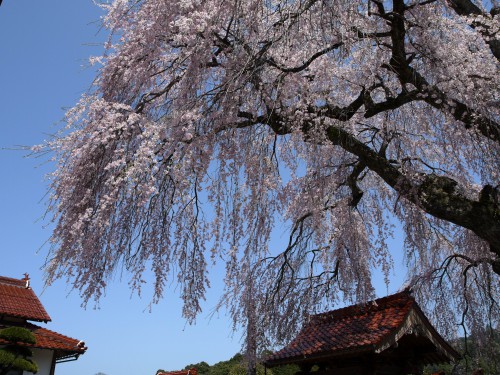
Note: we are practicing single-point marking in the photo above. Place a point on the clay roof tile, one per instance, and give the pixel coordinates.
(17, 299)
(348, 328)
(47, 339)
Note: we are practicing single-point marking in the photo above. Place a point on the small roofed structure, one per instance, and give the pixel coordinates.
(390, 335)
(18, 306)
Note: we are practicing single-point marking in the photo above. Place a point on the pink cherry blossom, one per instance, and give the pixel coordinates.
(214, 126)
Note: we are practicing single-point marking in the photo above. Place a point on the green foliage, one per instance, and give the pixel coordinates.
(224, 367)
(285, 370)
(476, 356)
(203, 367)
(238, 357)
(238, 369)
(447, 368)
(221, 368)
(18, 334)
(236, 366)
(25, 364)
(6, 358)
(14, 356)
(241, 369)
(281, 370)
(9, 361)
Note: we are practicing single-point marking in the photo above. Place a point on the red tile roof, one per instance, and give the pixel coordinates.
(46, 339)
(17, 299)
(358, 328)
(191, 371)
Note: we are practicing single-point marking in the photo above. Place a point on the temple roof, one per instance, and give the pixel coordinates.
(17, 299)
(366, 328)
(62, 345)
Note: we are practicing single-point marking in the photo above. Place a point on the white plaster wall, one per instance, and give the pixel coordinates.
(43, 358)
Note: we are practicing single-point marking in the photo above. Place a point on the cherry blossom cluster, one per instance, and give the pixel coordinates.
(216, 127)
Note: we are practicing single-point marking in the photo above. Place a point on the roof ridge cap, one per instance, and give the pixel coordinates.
(365, 307)
(12, 281)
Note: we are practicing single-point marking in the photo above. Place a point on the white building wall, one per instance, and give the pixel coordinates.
(43, 358)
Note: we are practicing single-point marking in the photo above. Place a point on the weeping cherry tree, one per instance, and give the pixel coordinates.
(213, 126)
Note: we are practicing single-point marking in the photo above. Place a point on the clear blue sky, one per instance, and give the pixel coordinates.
(44, 47)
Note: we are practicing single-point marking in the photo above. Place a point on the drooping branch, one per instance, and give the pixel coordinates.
(436, 195)
(468, 8)
(391, 103)
(204, 95)
(471, 118)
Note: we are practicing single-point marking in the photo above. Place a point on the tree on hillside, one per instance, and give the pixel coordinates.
(219, 368)
(15, 355)
(203, 368)
(242, 369)
(213, 125)
(476, 355)
(236, 365)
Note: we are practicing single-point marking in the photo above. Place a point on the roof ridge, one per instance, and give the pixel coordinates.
(18, 299)
(365, 307)
(12, 281)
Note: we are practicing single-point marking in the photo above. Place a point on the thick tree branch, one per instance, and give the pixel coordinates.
(399, 64)
(464, 7)
(436, 195)
(391, 103)
(352, 180)
(471, 118)
(304, 65)
(468, 8)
